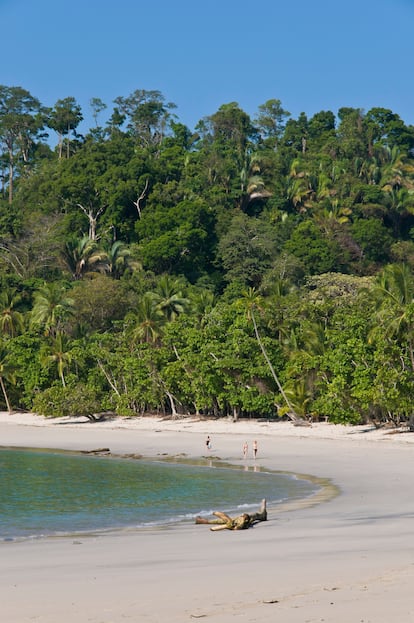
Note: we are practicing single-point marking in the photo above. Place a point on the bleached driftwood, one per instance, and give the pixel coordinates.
(242, 522)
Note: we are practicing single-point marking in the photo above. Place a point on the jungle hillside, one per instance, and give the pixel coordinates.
(254, 266)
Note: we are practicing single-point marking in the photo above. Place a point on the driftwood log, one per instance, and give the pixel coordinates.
(242, 522)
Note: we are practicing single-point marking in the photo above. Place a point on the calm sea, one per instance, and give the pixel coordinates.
(51, 493)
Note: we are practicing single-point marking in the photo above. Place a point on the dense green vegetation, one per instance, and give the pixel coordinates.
(253, 267)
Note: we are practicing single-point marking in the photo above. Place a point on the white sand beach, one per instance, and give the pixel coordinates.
(346, 560)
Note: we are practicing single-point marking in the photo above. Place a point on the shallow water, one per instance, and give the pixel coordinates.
(48, 493)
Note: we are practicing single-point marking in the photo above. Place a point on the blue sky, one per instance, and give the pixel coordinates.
(312, 55)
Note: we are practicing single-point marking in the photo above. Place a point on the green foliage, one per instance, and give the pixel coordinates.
(316, 252)
(98, 303)
(374, 239)
(247, 250)
(243, 269)
(73, 400)
(177, 239)
(30, 376)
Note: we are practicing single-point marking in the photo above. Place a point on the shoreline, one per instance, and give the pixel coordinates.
(347, 559)
(324, 491)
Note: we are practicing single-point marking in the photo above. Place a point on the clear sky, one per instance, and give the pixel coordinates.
(312, 55)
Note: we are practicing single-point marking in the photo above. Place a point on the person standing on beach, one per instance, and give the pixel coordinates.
(245, 449)
(254, 448)
(208, 442)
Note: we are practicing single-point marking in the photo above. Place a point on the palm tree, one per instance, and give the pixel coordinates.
(300, 193)
(201, 304)
(305, 349)
(57, 352)
(252, 302)
(300, 395)
(11, 321)
(393, 294)
(252, 183)
(169, 298)
(332, 216)
(149, 319)
(52, 307)
(118, 258)
(82, 256)
(397, 171)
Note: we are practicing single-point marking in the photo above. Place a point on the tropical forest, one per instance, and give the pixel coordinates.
(250, 267)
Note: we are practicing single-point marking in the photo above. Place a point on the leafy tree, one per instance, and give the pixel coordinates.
(271, 121)
(64, 118)
(387, 129)
(296, 132)
(353, 141)
(28, 374)
(373, 238)
(231, 124)
(97, 106)
(98, 303)
(177, 239)
(317, 253)
(322, 131)
(21, 124)
(73, 400)
(247, 250)
(147, 115)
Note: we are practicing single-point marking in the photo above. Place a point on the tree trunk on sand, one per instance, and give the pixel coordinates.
(242, 522)
(6, 398)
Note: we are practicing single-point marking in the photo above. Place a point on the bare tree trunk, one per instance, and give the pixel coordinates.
(137, 203)
(6, 398)
(269, 363)
(68, 144)
(92, 218)
(172, 403)
(11, 173)
(60, 146)
(108, 378)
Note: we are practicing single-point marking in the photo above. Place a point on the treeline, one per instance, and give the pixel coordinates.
(249, 267)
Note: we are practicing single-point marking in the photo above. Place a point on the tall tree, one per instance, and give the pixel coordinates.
(393, 293)
(64, 118)
(97, 106)
(52, 307)
(147, 114)
(169, 298)
(57, 351)
(253, 301)
(271, 121)
(11, 320)
(148, 320)
(21, 124)
(82, 256)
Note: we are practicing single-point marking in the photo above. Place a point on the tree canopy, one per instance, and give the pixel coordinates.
(252, 267)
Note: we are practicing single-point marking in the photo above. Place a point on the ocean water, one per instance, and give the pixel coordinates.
(51, 493)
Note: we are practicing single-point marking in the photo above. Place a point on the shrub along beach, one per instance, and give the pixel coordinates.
(342, 558)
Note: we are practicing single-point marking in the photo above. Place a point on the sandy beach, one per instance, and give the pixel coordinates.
(346, 560)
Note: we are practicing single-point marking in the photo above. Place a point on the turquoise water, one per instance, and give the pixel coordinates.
(49, 493)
